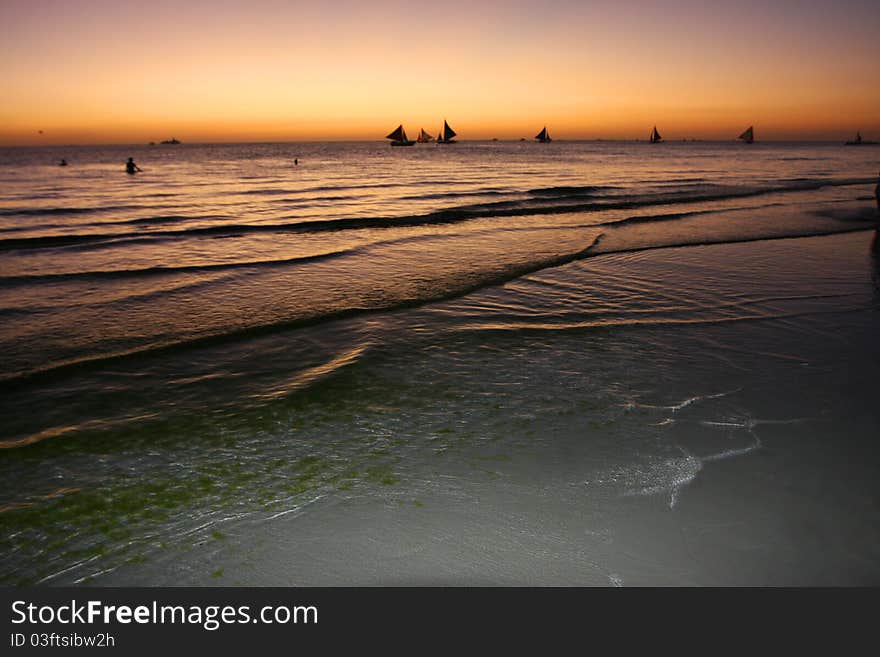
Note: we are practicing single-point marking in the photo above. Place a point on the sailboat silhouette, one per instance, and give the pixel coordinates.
(446, 134)
(543, 136)
(398, 137)
(748, 135)
(858, 141)
(655, 136)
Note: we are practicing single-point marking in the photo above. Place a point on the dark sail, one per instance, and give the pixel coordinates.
(748, 136)
(543, 136)
(398, 135)
(448, 133)
(655, 136)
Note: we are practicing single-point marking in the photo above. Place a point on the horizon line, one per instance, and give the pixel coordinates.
(380, 140)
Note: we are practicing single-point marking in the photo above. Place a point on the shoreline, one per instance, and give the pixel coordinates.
(709, 507)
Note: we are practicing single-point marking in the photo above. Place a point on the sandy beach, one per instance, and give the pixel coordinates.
(590, 459)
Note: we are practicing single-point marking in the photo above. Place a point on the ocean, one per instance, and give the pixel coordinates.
(593, 363)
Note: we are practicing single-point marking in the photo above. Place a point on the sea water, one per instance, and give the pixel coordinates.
(562, 330)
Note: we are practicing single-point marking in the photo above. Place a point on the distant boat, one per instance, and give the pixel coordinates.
(858, 141)
(655, 136)
(424, 137)
(170, 141)
(543, 136)
(748, 136)
(398, 137)
(446, 135)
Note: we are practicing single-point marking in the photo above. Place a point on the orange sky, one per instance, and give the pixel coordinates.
(95, 71)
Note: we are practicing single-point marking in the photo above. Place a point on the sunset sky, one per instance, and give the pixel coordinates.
(102, 71)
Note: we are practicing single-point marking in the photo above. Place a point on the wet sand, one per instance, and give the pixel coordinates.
(743, 453)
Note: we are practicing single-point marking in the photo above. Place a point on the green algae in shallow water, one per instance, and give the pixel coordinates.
(220, 461)
(381, 474)
(88, 523)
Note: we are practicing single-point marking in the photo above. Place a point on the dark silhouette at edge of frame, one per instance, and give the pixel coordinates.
(875, 244)
(131, 167)
(877, 196)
